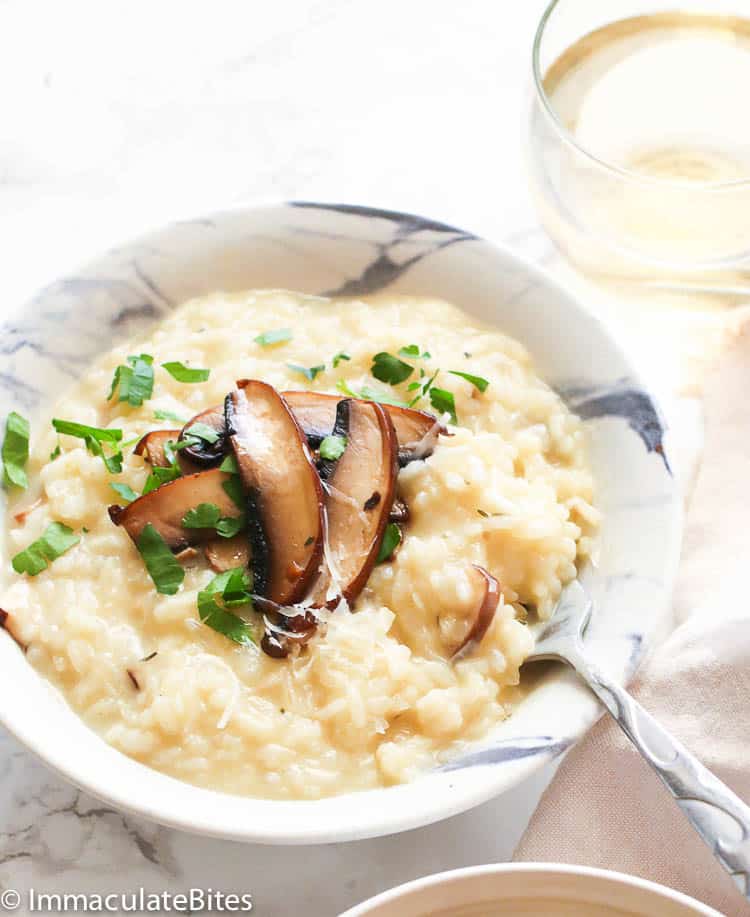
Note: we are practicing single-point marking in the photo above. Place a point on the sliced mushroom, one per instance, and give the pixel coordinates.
(204, 454)
(166, 506)
(359, 496)
(286, 628)
(151, 447)
(227, 553)
(5, 625)
(283, 491)
(417, 431)
(399, 512)
(482, 615)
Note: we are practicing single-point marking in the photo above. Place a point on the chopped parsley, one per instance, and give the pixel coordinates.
(16, 450)
(390, 369)
(202, 431)
(135, 380)
(369, 394)
(444, 402)
(229, 465)
(203, 516)
(208, 516)
(279, 336)
(391, 540)
(125, 491)
(341, 355)
(183, 373)
(54, 542)
(94, 437)
(233, 487)
(229, 526)
(476, 381)
(163, 475)
(169, 415)
(163, 567)
(412, 350)
(308, 372)
(227, 590)
(332, 447)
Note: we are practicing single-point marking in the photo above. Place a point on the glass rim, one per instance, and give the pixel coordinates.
(567, 136)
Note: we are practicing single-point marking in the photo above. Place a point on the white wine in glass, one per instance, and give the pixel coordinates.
(639, 145)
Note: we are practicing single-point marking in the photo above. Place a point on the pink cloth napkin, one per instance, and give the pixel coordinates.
(606, 807)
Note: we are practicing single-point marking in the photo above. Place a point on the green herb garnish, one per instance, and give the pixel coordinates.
(16, 450)
(163, 567)
(227, 590)
(203, 516)
(412, 350)
(233, 487)
(55, 541)
(125, 491)
(229, 465)
(476, 381)
(390, 369)
(202, 431)
(169, 415)
(208, 516)
(274, 337)
(332, 447)
(229, 526)
(308, 372)
(341, 355)
(391, 540)
(163, 475)
(369, 394)
(183, 373)
(135, 380)
(55, 453)
(94, 437)
(444, 402)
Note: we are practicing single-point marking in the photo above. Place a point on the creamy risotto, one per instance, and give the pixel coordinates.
(400, 553)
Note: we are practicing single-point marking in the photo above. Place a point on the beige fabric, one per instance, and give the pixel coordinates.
(605, 807)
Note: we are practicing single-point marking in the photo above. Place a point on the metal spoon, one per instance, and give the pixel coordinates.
(720, 817)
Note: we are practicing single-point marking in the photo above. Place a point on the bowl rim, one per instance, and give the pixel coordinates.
(390, 821)
(616, 878)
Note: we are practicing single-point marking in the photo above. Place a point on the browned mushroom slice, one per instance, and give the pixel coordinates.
(151, 447)
(399, 512)
(359, 496)
(283, 491)
(5, 625)
(482, 615)
(286, 628)
(227, 553)
(416, 431)
(205, 454)
(166, 506)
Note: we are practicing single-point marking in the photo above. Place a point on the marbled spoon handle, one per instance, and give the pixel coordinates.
(720, 817)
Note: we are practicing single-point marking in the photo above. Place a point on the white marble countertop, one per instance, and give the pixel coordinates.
(115, 118)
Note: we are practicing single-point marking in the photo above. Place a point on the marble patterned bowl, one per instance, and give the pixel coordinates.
(339, 249)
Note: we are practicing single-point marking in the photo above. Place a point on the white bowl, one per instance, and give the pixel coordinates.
(322, 248)
(533, 890)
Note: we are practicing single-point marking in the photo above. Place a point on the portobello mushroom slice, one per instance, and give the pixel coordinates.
(286, 628)
(359, 497)
(205, 454)
(282, 488)
(416, 431)
(228, 553)
(482, 615)
(151, 447)
(166, 506)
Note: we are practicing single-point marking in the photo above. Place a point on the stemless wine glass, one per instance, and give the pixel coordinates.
(639, 141)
